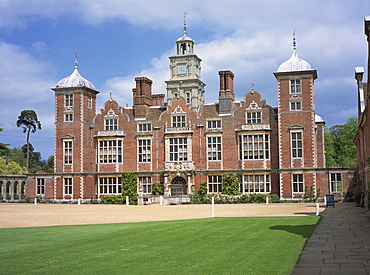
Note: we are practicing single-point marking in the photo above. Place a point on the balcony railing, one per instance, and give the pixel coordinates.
(110, 133)
(183, 129)
(253, 127)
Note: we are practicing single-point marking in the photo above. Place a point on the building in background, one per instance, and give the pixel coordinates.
(184, 141)
(362, 138)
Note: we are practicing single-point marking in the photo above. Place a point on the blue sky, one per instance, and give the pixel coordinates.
(118, 40)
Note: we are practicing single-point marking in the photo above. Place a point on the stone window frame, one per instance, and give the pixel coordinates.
(247, 152)
(214, 124)
(110, 153)
(144, 127)
(214, 149)
(68, 100)
(177, 149)
(297, 183)
(295, 105)
(335, 181)
(214, 184)
(295, 86)
(296, 144)
(142, 153)
(145, 184)
(256, 183)
(109, 185)
(40, 187)
(68, 186)
(68, 151)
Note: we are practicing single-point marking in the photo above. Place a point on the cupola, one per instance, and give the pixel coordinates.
(75, 80)
(294, 63)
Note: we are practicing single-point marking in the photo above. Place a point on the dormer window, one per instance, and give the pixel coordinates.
(145, 127)
(214, 124)
(111, 121)
(178, 121)
(111, 124)
(253, 117)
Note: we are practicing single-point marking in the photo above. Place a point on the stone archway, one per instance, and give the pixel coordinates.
(178, 187)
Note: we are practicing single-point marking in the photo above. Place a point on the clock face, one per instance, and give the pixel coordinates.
(181, 69)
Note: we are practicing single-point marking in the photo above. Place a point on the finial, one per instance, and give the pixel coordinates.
(294, 43)
(110, 97)
(76, 61)
(185, 13)
(252, 88)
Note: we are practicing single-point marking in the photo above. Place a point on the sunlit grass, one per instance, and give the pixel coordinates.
(263, 245)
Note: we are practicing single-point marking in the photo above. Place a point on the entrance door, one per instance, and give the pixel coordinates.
(178, 187)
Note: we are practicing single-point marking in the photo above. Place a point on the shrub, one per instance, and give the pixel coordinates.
(275, 198)
(112, 199)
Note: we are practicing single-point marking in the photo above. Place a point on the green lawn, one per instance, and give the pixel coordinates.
(263, 245)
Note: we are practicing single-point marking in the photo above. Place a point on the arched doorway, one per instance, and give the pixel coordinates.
(178, 187)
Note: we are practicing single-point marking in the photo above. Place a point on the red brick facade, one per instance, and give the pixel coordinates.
(183, 142)
(362, 139)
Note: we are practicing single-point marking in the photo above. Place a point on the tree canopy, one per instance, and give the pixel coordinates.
(339, 146)
(11, 168)
(29, 123)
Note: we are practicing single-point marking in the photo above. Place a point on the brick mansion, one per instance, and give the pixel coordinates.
(179, 139)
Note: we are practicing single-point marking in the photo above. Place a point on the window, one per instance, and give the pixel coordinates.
(68, 186)
(68, 100)
(214, 184)
(214, 124)
(253, 117)
(295, 106)
(297, 183)
(178, 121)
(68, 117)
(40, 187)
(145, 127)
(68, 155)
(297, 145)
(111, 124)
(295, 86)
(146, 183)
(89, 102)
(110, 186)
(144, 149)
(110, 151)
(255, 184)
(178, 149)
(336, 182)
(254, 147)
(214, 148)
(187, 97)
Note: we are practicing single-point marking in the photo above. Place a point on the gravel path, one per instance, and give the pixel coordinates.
(31, 215)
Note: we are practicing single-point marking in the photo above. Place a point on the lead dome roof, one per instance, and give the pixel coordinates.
(294, 63)
(75, 80)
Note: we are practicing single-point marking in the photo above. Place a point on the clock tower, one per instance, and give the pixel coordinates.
(185, 73)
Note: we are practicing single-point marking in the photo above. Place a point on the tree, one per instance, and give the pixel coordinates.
(4, 149)
(11, 168)
(339, 146)
(29, 123)
(129, 186)
(230, 184)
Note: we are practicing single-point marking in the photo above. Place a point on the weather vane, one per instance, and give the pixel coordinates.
(294, 43)
(76, 61)
(185, 13)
